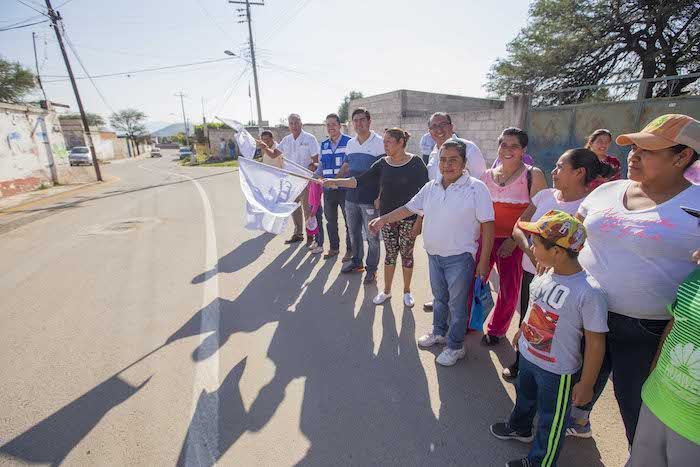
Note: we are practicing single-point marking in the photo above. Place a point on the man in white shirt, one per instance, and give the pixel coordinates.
(441, 129)
(301, 148)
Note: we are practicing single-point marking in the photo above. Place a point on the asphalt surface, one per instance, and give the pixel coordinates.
(142, 325)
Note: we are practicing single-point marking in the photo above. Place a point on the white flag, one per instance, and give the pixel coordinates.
(246, 142)
(270, 194)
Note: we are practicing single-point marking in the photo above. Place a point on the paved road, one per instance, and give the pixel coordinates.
(141, 325)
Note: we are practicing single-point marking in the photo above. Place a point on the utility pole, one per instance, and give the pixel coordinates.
(181, 95)
(38, 76)
(55, 18)
(205, 128)
(248, 20)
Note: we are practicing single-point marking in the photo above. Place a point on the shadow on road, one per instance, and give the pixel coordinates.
(52, 439)
(245, 254)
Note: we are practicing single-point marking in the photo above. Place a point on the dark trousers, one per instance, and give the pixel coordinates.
(630, 348)
(549, 395)
(524, 304)
(332, 200)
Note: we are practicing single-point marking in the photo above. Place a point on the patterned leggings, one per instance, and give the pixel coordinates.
(397, 238)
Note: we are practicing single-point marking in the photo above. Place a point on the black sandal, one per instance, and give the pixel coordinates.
(489, 341)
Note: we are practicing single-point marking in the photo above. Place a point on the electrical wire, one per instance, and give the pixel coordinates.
(99, 93)
(284, 21)
(28, 5)
(31, 18)
(143, 70)
(213, 19)
(23, 25)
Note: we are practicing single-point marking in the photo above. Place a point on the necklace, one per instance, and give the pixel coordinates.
(503, 183)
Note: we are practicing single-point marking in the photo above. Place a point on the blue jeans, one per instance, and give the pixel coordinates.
(450, 279)
(332, 200)
(630, 347)
(358, 217)
(549, 394)
(319, 237)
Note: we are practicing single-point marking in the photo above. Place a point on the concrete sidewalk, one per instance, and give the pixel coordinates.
(18, 202)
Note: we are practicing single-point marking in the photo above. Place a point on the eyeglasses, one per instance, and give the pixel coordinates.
(439, 126)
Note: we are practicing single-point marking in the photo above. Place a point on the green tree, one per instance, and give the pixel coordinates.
(130, 122)
(15, 81)
(93, 119)
(343, 109)
(571, 43)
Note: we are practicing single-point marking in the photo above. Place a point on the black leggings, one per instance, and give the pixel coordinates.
(524, 304)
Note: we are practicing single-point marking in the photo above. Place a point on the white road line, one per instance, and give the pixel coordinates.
(203, 435)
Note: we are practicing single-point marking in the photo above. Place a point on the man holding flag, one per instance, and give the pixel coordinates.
(301, 149)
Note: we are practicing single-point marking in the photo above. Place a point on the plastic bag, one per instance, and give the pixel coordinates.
(482, 304)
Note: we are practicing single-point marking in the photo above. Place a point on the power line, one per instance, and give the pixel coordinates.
(143, 70)
(31, 18)
(284, 21)
(32, 7)
(75, 52)
(213, 19)
(23, 26)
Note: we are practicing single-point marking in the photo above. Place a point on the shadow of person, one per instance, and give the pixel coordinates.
(357, 408)
(238, 258)
(53, 438)
(219, 420)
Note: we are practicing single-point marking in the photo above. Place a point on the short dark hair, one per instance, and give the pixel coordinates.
(266, 133)
(459, 145)
(337, 118)
(513, 131)
(440, 114)
(548, 245)
(360, 110)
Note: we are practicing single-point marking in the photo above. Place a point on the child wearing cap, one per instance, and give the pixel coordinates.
(566, 304)
(668, 430)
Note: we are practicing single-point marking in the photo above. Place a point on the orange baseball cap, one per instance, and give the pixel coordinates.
(664, 132)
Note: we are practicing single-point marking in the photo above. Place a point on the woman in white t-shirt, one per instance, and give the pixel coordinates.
(638, 249)
(572, 175)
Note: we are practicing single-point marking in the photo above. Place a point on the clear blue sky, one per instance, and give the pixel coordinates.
(311, 52)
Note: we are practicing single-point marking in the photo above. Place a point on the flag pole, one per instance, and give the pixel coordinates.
(293, 174)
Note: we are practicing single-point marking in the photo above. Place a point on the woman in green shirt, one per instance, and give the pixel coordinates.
(668, 431)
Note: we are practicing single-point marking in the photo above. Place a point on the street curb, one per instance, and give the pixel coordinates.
(54, 197)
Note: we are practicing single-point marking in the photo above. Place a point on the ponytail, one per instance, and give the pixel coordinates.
(582, 157)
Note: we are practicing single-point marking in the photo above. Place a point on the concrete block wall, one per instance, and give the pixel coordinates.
(478, 120)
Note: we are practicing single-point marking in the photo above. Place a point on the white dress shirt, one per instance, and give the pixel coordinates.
(476, 164)
(301, 149)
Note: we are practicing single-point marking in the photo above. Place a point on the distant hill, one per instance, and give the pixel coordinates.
(154, 126)
(169, 130)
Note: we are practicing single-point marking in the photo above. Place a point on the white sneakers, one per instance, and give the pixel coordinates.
(449, 356)
(381, 298)
(313, 245)
(317, 250)
(430, 340)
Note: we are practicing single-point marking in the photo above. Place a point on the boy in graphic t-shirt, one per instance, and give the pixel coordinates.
(668, 431)
(566, 304)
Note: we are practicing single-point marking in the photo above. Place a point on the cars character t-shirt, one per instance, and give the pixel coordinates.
(561, 307)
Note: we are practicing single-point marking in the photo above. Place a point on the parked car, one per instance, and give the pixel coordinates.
(185, 152)
(155, 152)
(80, 155)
